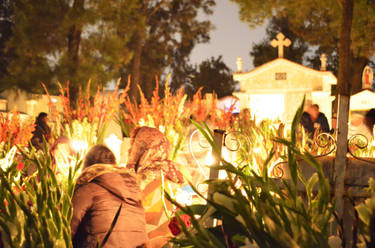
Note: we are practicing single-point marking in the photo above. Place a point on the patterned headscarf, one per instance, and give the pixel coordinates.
(148, 154)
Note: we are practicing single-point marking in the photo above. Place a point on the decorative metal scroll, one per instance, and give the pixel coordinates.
(232, 141)
(277, 170)
(203, 144)
(324, 141)
(361, 142)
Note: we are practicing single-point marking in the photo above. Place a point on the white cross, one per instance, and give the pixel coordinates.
(280, 42)
(323, 62)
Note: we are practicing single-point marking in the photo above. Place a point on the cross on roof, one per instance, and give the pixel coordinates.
(280, 42)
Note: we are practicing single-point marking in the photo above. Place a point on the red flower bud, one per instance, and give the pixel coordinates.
(174, 225)
(20, 166)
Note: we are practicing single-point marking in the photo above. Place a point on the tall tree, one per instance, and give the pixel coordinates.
(262, 52)
(75, 40)
(6, 23)
(319, 22)
(166, 33)
(213, 75)
(78, 40)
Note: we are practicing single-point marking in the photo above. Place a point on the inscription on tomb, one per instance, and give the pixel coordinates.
(280, 75)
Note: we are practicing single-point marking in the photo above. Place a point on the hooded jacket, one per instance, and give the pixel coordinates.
(100, 190)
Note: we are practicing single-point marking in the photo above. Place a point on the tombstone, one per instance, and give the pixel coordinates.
(31, 104)
(362, 101)
(30, 107)
(275, 89)
(3, 105)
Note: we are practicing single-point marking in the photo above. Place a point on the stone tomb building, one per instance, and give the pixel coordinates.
(275, 89)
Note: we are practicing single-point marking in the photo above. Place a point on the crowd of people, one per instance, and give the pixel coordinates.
(315, 122)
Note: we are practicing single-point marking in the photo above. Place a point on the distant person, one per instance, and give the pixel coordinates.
(100, 190)
(370, 120)
(319, 119)
(42, 131)
(358, 126)
(306, 120)
(364, 125)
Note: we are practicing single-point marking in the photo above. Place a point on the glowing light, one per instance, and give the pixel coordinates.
(225, 154)
(209, 160)
(114, 143)
(267, 106)
(79, 145)
(162, 128)
(54, 100)
(65, 161)
(184, 198)
(257, 150)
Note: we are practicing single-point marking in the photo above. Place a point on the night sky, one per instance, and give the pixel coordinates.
(231, 38)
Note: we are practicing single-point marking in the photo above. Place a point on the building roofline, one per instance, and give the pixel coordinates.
(259, 68)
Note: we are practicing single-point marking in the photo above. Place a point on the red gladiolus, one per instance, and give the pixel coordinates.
(20, 166)
(174, 225)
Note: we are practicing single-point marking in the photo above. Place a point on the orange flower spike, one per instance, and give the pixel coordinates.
(88, 95)
(155, 102)
(79, 105)
(67, 100)
(143, 108)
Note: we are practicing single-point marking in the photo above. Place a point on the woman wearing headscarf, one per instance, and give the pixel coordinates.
(100, 190)
(148, 156)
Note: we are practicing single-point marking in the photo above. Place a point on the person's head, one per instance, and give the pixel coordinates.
(307, 105)
(370, 118)
(313, 110)
(316, 107)
(99, 154)
(143, 140)
(149, 151)
(42, 117)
